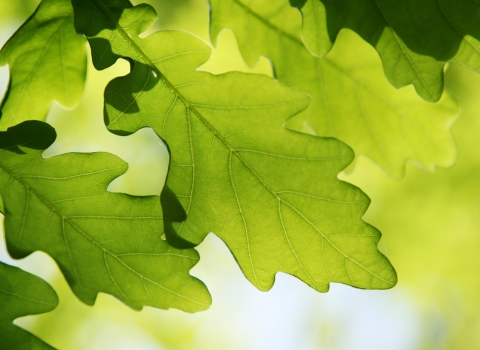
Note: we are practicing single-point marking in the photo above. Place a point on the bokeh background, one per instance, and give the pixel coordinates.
(430, 224)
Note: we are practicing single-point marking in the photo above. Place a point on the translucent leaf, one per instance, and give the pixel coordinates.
(414, 38)
(22, 294)
(351, 99)
(47, 62)
(270, 193)
(102, 241)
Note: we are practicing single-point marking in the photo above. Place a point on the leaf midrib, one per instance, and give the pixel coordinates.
(127, 37)
(261, 18)
(25, 298)
(402, 48)
(159, 74)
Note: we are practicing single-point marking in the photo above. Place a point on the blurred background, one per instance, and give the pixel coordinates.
(430, 224)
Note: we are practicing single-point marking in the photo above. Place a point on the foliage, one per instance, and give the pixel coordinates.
(412, 53)
(251, 159)
(351, 99)
(47, 60)
(223, 177)
(22, 294)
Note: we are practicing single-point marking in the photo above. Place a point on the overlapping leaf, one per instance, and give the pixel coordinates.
(22, 294)
(103, 242)
(351, 99)
(47, 62)
(270, 193)
(414, 38)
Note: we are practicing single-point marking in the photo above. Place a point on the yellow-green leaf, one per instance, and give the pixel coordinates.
(414, 38)
(102, 241)
(47, 61)
(22, 294)
(270, 193)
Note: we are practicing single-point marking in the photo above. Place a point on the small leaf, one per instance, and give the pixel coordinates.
(103, 242)
(22, 294)
(270, 193)
(414, 38)
(47, 62)
(351, 99)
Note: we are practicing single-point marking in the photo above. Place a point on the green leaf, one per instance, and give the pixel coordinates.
(270, 193)
(22, 294)
(414, 38)
(47, 62)
(351, 99)
(103, 242)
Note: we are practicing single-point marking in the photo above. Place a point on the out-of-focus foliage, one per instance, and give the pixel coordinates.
(414, 38)
(431, 226)
(234, 169)
(351, 98)
(22, 294)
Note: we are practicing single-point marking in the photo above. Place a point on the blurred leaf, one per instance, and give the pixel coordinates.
(22, 294)
(270, 193)
(351, 99)
(169, 11)
(47, 62)
(414, 38)
(103, 242)
(17, 10)
(430, 224)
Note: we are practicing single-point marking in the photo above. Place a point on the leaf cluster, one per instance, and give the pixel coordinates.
(253, 159)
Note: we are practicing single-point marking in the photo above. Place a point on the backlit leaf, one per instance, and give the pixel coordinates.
(351, 99)
(102, 241)
(22, 294)
(270, 193)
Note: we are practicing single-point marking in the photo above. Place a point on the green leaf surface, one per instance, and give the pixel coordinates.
(102, 241)
(22, 294)
(414, 38)
(270, 193)
(47, 61)
(351, 99)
